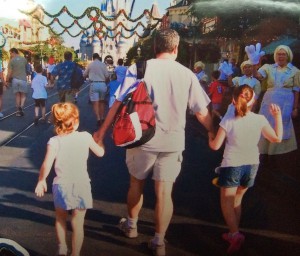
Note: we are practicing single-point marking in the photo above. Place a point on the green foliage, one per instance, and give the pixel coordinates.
(147, 51)
(52, 47)
(208, 53)
(237, 16)
(146, 46)
(247, 22)
(5, 55)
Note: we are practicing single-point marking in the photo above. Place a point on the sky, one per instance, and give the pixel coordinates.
(9, 9)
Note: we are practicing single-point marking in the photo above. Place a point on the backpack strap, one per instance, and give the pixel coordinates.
(141, 68)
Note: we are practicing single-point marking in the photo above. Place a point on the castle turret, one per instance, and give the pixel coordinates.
(110, 44)
(110, 7)
(96, 45)
(103, 6)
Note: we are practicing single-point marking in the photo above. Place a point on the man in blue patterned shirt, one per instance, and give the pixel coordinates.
(64, 72)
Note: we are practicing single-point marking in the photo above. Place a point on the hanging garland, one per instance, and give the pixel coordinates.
(95, 15)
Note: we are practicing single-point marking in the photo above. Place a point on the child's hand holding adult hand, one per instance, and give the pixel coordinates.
(41, 188)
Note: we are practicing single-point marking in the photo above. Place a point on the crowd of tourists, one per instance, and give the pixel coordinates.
(249, 109)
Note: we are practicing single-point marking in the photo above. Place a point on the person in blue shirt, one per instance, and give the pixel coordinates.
(120, 71)
(63, 73)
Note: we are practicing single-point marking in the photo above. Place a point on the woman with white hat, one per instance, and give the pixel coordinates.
(199, 67)
(247, 78)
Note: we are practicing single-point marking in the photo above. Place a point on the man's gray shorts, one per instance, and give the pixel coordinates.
(19, 86)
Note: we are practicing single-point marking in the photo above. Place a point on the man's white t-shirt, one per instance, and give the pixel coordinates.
(172, 88)
(242, 137)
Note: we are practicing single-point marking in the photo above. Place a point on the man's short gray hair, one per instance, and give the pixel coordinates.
(165, 41)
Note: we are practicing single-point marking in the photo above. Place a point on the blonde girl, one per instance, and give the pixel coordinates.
(71, 186)
(242, 131)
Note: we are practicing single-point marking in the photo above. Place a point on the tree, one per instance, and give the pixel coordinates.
(236, 16)
(52, 47)
(147, 51)
(5, 55)
(243, 20)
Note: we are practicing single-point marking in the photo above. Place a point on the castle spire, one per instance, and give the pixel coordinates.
(117, 6)
(110, 6)
(131, 8)
(155, 11)
(103, 6)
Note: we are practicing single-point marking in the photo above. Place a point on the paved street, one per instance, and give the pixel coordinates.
(271, 209)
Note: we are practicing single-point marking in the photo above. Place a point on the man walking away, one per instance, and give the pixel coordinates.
(63, 72)
(98, 74)
(18, 77)
(172, 87)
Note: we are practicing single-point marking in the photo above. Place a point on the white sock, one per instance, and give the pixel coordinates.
(62, 249)
(131, 222)
(159, 238)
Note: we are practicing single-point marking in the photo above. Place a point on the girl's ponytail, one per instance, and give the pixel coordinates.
(243, 98)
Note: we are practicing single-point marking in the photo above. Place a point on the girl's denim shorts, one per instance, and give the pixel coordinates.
(71, 196)
(237, 176)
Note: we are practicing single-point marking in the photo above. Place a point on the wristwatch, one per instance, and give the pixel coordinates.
(2, 40)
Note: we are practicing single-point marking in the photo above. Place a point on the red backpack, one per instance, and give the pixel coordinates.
(134, 123)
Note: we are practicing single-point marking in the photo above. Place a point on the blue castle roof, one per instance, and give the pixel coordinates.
(105, 4)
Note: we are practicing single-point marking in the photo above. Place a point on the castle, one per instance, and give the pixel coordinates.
(106, 46)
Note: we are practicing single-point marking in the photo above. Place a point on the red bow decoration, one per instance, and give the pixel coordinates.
(94, 19)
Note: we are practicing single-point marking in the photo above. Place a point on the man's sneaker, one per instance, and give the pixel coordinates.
(128, 231)
(157, 250)
(18, 113)
(36, 121)
(1, 115)
(236, 242)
